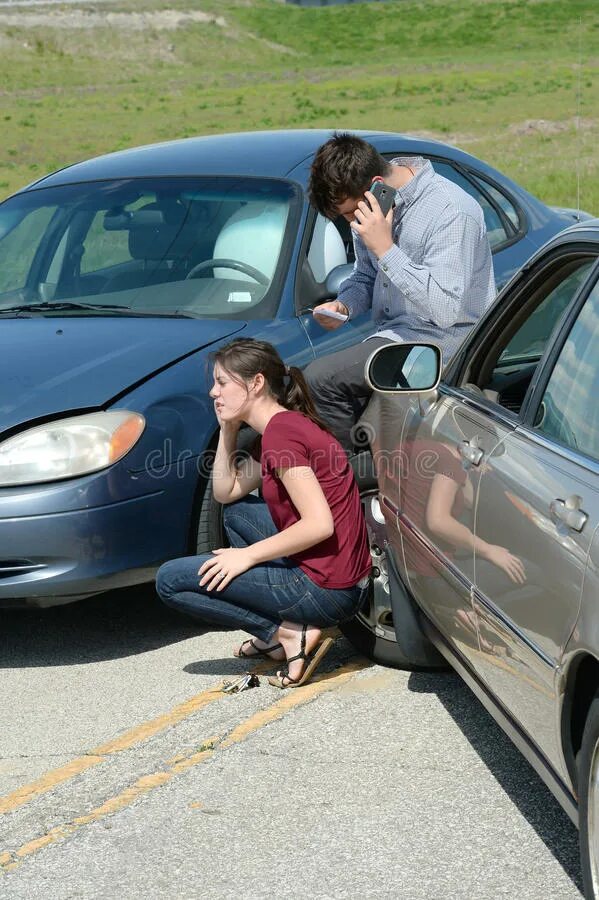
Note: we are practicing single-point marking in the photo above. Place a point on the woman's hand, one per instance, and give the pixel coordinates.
(503, 559)
(373, 227)
(225, 565)
(230, 428)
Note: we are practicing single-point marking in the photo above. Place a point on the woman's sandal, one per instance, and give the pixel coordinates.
(260, 651)
(284, 680)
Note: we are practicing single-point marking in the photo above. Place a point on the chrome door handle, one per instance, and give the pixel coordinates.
(471, 452)
(569, 512)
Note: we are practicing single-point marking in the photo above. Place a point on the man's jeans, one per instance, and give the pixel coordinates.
(257, 601)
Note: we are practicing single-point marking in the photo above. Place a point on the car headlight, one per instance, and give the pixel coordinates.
(69, 447)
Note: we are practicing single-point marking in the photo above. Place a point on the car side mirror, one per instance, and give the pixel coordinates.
(336, 277)
(400, 368)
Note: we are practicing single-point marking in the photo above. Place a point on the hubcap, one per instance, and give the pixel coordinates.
(376, 614)
(593, 819)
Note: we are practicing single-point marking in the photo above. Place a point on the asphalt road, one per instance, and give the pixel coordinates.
(125, 772)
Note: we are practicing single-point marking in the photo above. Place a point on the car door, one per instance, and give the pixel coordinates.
(325, 251)
(537, 502)
(441, 444)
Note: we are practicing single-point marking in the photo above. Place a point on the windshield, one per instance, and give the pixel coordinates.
(205, 247)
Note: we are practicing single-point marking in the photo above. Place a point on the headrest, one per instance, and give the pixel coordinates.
(327, 249)
(253, 234)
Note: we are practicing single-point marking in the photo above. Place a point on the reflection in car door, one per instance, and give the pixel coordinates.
(527, 615)
(540, 498)
(442, 447)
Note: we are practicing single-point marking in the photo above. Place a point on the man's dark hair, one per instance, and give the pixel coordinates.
(343, 167)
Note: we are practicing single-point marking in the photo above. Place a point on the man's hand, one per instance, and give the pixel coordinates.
(325, 321)
(373, 227)
(225, 565)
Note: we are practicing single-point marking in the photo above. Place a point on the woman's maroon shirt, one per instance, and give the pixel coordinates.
(290, 440)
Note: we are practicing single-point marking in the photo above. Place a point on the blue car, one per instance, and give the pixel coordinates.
(118, 277)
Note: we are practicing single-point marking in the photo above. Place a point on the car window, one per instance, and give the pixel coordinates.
(568, 411)
(495, 227)
(207, 247)
(21, 232)
(504, 364)
(103, 248)
(500, 199)
(529, 341)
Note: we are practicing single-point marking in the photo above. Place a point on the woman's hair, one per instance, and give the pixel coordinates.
(343, 167)
(244, 358)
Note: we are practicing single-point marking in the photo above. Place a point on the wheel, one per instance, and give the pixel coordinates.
(236, 264)
(371, 631)
(209, 531)
(588, 782)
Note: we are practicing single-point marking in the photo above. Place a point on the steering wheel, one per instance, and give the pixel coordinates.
(260, 277)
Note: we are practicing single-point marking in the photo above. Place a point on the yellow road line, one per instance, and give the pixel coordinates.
(292, 698)
(98, 755)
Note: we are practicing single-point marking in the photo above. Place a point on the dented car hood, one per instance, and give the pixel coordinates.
(55, 365)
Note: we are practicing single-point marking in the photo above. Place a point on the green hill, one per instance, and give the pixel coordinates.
(514, 82)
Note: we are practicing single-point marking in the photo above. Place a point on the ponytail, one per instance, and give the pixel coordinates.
(297, 396)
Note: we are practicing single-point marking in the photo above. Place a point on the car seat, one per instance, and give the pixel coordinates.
(253, 234)
(166, 245)
(327, 250)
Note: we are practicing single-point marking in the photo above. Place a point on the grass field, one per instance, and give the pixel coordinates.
(512, 81)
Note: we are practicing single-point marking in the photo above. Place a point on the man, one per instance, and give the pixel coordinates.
(424, 269)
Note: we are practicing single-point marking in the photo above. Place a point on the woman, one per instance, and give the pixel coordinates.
(299, 560)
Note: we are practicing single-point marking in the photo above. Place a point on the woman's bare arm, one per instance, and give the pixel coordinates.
(231, 482)
(441, 522)
(315, 522)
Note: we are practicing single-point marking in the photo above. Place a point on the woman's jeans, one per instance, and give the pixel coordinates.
(257, 601)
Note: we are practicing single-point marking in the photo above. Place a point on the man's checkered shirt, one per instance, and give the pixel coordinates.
(437, 279)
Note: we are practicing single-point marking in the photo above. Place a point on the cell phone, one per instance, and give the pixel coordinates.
(384, 194)
(331, 313)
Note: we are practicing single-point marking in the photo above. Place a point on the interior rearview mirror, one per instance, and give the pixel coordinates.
(404, 367)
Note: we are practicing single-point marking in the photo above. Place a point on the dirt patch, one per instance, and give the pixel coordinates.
(547, 126)
(73, 19)
(369, 683)
(527, 128)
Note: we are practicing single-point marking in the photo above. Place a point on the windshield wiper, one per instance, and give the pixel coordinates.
(60, 305)
(65, 305)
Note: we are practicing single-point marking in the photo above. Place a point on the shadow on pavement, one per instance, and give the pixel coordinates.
(517, 778)
(228, 665)
(108, 626)
(341, 652)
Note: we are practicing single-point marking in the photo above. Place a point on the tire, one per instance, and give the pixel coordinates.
(372, 630)
(588, 783)
(208, 530)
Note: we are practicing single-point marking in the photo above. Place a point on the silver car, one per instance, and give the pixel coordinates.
(485, 522)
